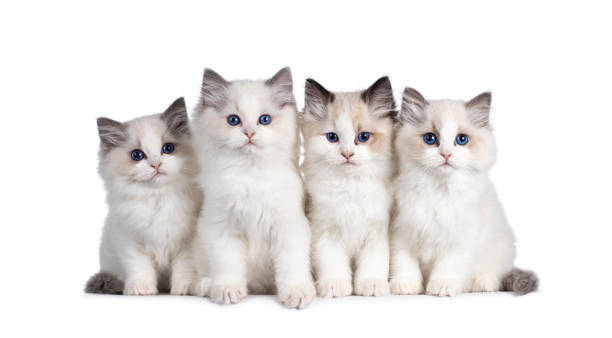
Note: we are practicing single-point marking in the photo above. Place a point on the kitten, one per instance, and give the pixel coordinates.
(347, 169)
(252, 233)
(449, 230)
(148, 169)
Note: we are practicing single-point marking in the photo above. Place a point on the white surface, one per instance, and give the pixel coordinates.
(64, 64)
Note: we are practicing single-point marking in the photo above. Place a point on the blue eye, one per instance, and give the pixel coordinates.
(265, 119)
(233, 120)
(137, 155)
(364, 136)
(168, 148)
(462, 139)
(332, 137)
(430, 138)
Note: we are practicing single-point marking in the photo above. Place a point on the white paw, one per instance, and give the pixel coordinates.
(201, 287)
(371, 287)
(228, 294)
(486, 284)
(329, 288)
(405, 286)
(140, 288)
(180, 287)
(444, 287)
(297, 296)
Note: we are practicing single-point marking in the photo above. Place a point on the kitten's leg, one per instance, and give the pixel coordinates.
(227, 259)
(183, 273)
(372, 268)
(449, 274)
(406, 276)
(292, 262)
(140, 274)
(332, 267)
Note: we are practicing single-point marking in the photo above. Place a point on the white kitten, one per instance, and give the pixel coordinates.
(449, 231)
(347, 167)
(148, 169)
(252, 233)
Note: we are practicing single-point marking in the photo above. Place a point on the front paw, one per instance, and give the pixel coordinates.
(201, 287)
(329, 288)
(180, 287)
(371, 287)
(405, 286)
(297, 296)
(444, 287)
(140, 288)
(227, 294)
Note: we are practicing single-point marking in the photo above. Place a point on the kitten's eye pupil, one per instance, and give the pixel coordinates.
(233, 120)
(430, 138)
(265, 119)
(168, 148)
(364, 136)
(137, 155)
(462, 139)
(332, 137)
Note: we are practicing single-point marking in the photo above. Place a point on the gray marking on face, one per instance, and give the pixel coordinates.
(479, 109)
(413, 107)
(176, 118)
(379, 98)
(112, 133)
(317, 99)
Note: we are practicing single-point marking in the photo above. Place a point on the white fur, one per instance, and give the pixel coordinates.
(348, 205)
(449, 232)
(150, 220)
(253, 235)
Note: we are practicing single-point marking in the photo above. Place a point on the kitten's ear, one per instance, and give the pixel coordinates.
(214, 90)
(413, 107)
(282, 86)
(176, 118)
(479, 109)
(379, 98)
(317, 100)
(112, 133)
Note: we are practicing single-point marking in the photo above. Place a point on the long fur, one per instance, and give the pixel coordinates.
(520, 282)
(151, 217)
(253, 236)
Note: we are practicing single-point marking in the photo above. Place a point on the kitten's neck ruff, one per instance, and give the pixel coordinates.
(455, 183)
(126, 189)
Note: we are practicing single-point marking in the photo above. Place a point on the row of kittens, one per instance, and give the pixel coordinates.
(385, 201)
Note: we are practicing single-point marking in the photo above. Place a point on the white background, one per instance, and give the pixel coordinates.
(64, 64)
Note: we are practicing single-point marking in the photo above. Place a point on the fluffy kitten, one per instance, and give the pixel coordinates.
(252, 233)
(449, 231)
(148, 169)
(347, 168)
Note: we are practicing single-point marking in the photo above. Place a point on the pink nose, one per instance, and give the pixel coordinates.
(156, 166)
(249, 134)
(446, 156)
(348, 155)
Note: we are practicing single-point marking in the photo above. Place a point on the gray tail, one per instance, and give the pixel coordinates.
(103, 282)
(520, 281)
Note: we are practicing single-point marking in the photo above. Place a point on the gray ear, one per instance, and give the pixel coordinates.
(479, 109)
(112, 133)
(176, 118)
(214, 90)
(379, 98)
(413, 107)
(282, 86)
(317, 100)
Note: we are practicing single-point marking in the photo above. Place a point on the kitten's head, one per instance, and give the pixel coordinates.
(248, 117)
(351, 132)
(152, 150)
(445, 137)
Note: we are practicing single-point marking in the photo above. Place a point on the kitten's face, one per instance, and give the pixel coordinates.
(152, 149)
(248, 117)
(445, 137)
(348, 131)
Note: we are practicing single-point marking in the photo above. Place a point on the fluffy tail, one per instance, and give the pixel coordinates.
(103, 282)
(520, 281)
